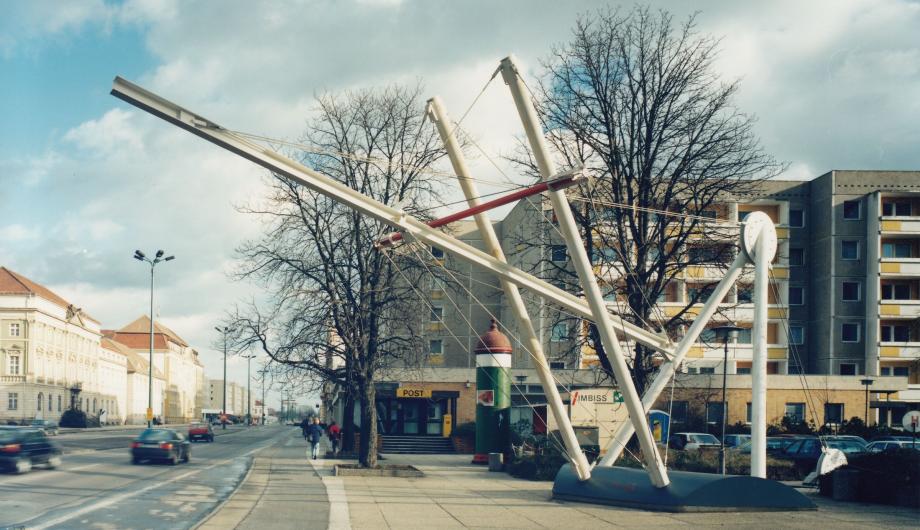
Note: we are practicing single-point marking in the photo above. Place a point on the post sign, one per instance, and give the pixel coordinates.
(486, 398)
(413, 392)
(911, 421)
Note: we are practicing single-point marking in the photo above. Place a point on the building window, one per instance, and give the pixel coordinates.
(679, 411)
(796, 218)
(707, 369)
(796, 257)
(896, 208)
(833, 413)
(849, 332)
(714, 413)
(745, 294)
(50, 403)
(436, 347)
(796, 295)
(896, 291)
(895, 371)
(743, 336)
(847, 368)
(795, 412)
(748, 413)
(14, 329)
(437, 253)
(796, 335)
(558, 253)
(557, 365)
(849, 250)
(896, 250)
(59, 403)
(12, 401)
(437, 313)
(743, 370)
(14, 364)
(895, 333)
(794, 368)
(40, 401)
(850, 291)
(560, 332)
(852, 210)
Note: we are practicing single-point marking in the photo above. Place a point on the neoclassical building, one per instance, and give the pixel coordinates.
(48, 346)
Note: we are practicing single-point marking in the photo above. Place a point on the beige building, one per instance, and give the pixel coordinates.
(237, 397)
(136, 381)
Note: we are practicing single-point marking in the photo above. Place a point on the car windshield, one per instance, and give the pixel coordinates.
(154, 435)
(704, 439)
(847, 446)
(8, 435)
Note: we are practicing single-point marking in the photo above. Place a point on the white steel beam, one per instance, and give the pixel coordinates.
(210, 131)
(529, 337)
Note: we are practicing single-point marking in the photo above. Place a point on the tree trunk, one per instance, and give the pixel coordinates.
(348, 422)
(367, 454)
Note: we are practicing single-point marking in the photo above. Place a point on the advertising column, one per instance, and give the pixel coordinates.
(493, 394)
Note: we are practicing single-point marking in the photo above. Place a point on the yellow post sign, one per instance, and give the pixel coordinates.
(149, 414)
(446, 425)
(413, 392)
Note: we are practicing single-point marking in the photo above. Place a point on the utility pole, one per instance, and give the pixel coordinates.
(248, 389)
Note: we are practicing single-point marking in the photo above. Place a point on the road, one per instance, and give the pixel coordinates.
(98, 487)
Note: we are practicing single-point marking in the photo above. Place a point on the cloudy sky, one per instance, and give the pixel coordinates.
(85, 179)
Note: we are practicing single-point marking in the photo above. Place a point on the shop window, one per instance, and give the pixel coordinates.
(850, 291)
(833, 413)
(847, 368)
(796, 295)
(796, 218)
(795, 412)
(796, 257)
(852, 210)
(714, 413)
(849, 250)
(849, 332)
(559, 253)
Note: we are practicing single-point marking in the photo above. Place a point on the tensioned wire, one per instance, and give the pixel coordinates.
(514, 336)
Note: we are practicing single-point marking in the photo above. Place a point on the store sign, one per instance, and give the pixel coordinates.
(413, 392)
(486, 398)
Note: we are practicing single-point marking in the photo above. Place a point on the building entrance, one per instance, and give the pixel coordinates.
(414, 416)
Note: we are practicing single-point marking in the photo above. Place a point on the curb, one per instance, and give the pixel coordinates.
(217, 507)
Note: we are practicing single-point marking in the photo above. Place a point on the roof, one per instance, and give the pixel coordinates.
(142, 325)
(136, 362)
(15, 283)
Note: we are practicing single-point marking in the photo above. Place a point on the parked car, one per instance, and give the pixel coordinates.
(734, 440)
(775, 445)
(689, 441)
(50, 427)
(160, 444)
(21, 448)
(200, 431)
(805, 452)
(889, 445)
(891, 438)
(859, 441)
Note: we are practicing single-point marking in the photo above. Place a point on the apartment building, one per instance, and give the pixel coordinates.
(237, 397)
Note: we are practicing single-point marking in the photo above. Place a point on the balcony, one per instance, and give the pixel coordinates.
(899, 267)
(900, 225)
(899, 309)
(12, 379)
(899, 350)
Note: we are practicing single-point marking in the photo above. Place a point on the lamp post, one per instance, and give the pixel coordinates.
(223, 411)
(867, 383)
(140, 256)
(248, 389)
(725, 333)
(264, 372)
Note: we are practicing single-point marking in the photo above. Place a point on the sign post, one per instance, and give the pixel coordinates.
(911, 422)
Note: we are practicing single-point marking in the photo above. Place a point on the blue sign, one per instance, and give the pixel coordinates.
(659, 422)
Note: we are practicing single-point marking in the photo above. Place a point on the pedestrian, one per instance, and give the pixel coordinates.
(305, 427)
(316, 434)
(335, 433)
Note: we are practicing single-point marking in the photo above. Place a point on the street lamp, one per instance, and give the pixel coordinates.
(263, 371)
(248, 389)
(223, 410)
(725, 333)
(867, 383)
(140, 256)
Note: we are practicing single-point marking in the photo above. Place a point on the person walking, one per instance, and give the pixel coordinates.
(305, 427)
(316, 434)
(335, 433)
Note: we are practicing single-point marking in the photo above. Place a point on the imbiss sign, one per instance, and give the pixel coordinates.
(589, 406)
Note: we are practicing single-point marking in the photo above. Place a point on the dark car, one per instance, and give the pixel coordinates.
(891, 438)
(686, 441)
(805, 452)
(161, 445)
(21, 448)
(775, 445)
(50, 427)
(200, 431)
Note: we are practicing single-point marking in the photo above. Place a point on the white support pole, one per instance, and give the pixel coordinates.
(528, 335)
(655, 467)
(616, 445)
(398, 219)
(759, 364)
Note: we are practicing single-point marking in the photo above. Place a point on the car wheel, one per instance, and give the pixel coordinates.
(54, 461)
(135, 461)
(173, 459)
(23, 465)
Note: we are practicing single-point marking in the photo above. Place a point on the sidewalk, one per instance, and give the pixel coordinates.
(281, 491)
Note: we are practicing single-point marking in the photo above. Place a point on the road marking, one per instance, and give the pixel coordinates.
(118, 498)
(339, 518)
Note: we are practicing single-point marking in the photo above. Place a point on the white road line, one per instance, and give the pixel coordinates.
(339, 518)
(118, 498)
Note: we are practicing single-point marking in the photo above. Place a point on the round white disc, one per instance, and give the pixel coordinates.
(755, 224)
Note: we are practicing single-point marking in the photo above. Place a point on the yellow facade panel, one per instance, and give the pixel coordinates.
(889, 351)
(694, 271)
(776, 353)
(890, 309)
(695, 351)
(888, 267)
(776, 312)
(782, 232)
(780, 272)
(891, 226)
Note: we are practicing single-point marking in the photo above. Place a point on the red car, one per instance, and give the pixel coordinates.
(200, 431)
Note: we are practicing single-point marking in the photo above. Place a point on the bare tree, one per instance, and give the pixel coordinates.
(338, 307)
(634, 99)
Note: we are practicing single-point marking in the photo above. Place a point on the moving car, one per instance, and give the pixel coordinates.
(688, 441)
(889, 445)
(160, 444)
(50, 427)
(21, 448)
(200, 431)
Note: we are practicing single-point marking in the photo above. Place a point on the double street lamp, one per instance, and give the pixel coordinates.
(724, 333)
(223, 411)
(140, 256)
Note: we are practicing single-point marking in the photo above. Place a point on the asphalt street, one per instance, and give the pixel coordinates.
(98, 487)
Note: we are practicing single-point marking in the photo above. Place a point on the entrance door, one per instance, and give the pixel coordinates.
(413, 414)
